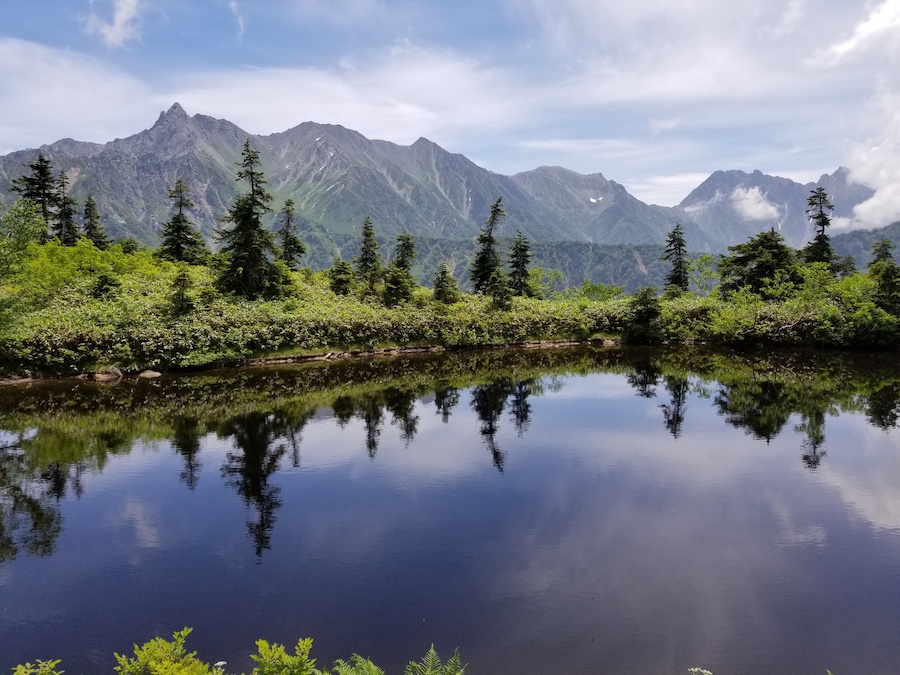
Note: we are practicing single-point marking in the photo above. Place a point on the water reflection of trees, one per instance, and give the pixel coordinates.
(490, 400)
(675, 411)
(646, 377)
(30, 518)
(185, 440)
(58, 434)
(261, 439)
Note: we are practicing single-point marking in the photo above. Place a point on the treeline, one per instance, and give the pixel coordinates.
(565, 264)
(77, 302)
(254, 263)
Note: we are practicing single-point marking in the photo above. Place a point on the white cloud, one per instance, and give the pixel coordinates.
(751, 204)
(880, 27)
(787, 23)
(665, 124)
(100, 102)
(239, 17)
(404, 93)
(876, 163)
(124, 26)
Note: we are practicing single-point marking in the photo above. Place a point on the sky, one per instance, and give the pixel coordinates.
(654, 94)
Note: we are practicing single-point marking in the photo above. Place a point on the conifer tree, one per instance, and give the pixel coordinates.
(368, 262)
(520, 257)
(248, 271)
(763, 258)
(679, 277)
(64, 226)
(92, 225)
(819, 212)
(446, 290)
(39, 186)
(399, 282)
(487, 260)
(291, 246)
(340, 277)
(180, 300)
(498, 289)
(181, 242)
(883, 269)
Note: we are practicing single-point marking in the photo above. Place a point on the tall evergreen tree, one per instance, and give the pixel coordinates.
(291, 246)
(247, 244)
(181, 242)
(819, 212)
(64, 227)
(679, 277)
(405, 253)
(92, 224)
(399, 282)
(368, 262)
(487, 260)
(39, 186)
(520, 257)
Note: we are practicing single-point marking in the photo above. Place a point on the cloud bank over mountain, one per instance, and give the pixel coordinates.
(653, 93)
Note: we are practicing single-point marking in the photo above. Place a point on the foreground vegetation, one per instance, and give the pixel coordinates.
(71, 301)
(163, 657)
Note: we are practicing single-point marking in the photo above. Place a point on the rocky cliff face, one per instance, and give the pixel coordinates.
(336, 176)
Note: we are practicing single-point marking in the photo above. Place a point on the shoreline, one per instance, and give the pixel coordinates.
(114, 374)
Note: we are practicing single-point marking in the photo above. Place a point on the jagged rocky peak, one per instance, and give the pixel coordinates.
(174, 114)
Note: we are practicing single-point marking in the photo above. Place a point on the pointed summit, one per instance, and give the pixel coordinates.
(174, 114)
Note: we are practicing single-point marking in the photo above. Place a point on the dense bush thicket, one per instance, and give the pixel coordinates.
(69, 308)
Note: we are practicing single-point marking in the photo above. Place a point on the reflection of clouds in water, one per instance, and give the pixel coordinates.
(867, 476)
(146, 533)
(438, 452)
(590, 387)
(791, 535)
(676, 570)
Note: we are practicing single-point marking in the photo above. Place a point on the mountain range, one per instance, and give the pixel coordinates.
(337, 176)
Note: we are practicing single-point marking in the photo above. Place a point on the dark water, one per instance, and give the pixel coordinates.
(548, 512)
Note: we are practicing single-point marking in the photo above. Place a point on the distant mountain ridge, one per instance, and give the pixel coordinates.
(337, 176)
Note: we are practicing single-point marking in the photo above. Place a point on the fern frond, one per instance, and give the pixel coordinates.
(429, 665)
(454, 665)
(357, 666)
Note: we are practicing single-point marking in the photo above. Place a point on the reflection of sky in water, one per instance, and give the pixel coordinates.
(606, 545)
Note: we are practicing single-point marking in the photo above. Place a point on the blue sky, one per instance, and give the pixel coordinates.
(654, 94)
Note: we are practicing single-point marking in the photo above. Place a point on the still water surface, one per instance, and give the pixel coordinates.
(582, 511)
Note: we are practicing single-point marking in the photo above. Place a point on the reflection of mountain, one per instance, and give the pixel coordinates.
(65, 430)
